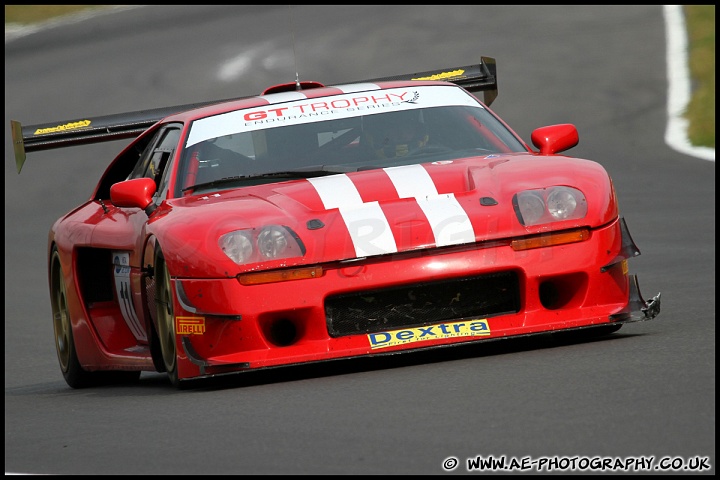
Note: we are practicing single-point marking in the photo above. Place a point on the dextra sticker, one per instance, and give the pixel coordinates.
(190, 325)
(392, 338)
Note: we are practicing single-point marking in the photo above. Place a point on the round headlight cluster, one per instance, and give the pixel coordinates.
(552, 204)
(256, 245)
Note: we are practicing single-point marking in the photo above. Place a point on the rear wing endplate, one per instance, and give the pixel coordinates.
(83, 131)
(480, 77)
(87, 130)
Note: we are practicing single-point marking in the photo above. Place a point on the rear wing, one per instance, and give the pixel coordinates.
(87, 130)
(473, 78)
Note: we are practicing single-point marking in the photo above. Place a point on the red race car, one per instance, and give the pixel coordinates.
(317, 222)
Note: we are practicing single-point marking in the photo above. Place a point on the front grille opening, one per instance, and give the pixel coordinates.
(422, 304)
(563, 291)
(281, 332)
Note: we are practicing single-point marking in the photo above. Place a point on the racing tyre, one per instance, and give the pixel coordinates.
(75, 376)
(165, 318)
(156, 351)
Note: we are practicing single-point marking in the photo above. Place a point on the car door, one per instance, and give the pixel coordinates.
(121, 231)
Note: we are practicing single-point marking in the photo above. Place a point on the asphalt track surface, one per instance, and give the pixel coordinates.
(648, 391)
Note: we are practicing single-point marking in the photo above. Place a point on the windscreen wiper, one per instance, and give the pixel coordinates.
(302, 172)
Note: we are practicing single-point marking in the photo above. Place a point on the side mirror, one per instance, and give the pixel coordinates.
(555, 138)
(135, 193)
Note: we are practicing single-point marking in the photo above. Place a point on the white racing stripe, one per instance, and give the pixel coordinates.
(367, 224)
(336, 191)
(282, 97)
(449, 222)
(356, 87)
(369, 229)
(411, 181)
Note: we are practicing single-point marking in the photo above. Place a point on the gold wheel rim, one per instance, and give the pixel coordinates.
(61, 317)
(166, 319)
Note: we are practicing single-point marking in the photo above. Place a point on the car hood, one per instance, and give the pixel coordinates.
(382, 211)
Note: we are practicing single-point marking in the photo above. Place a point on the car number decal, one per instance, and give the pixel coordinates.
(121, 272)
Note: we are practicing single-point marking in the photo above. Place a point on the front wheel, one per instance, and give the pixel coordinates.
(75, 376)
(165, 318)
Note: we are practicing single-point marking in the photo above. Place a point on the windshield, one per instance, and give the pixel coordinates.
(262, 149)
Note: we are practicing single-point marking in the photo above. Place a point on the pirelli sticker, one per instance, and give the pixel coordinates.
(392, 338)
(190, 325)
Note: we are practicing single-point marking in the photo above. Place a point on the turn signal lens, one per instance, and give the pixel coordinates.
(258, 278)
(550, 239)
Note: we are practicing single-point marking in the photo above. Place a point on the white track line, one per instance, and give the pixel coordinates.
(678, 75)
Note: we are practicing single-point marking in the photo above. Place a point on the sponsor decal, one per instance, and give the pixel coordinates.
(121, 274)
(190, 325)
(295, 109)
(62, 128)
(443, 75)
(466, 328)
(300, 109)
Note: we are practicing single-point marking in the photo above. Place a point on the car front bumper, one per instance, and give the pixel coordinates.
(406, 302)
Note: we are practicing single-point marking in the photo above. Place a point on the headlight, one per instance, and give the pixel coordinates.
(561, 203)
(237, 245)
(529, 207)
(256, 245)
(547, 205)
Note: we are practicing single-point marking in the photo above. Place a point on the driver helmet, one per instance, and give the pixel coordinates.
(395, 134)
